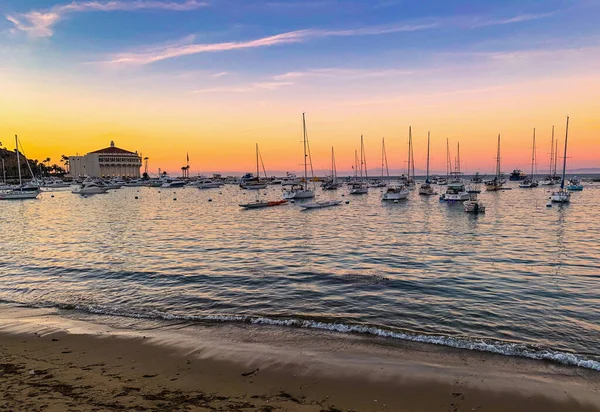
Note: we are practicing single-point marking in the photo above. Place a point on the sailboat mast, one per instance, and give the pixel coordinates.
(387, 169)
(363, 158)
(18, 162)
(447, 159)
(355, 164)
(562, 183)
(533, 153)
(304, 138)
(498, 159)
(257, 172)
(332, 166)
(409, 156)
(458, 157)
(551, 152)
(412, 158)
(427, 177)
(555, 156)
(382, 152)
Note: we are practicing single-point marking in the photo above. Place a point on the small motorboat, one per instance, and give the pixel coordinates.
(575, 185)
(90, 187)
(321, 205)
(395, 193)
(258, 204)
(358, 188)
(208, 184)
(473, 205)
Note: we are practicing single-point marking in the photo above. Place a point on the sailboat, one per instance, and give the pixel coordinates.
(529, 181)
(444, 181)
(563, 195)
(360, 187)
(456, 176)
(332, 183)
(384, 163)
(551, 179)
(426, 189)
(497, 182)
(19, 193)
(302, 191)
(254, 183)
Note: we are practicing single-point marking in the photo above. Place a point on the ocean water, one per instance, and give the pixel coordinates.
(521, 280)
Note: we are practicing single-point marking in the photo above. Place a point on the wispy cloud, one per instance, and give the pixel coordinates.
(162, 53)
(244, 88)
(220, 74)
(510, 20)
(41, 23)
(343, 73)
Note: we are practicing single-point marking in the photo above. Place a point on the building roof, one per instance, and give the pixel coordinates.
(113, 150)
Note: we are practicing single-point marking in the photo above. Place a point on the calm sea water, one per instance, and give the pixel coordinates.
(522, 280)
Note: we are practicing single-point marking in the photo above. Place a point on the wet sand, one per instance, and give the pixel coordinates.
(53, 362)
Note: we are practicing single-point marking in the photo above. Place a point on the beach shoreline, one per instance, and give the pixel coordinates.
(53, 362)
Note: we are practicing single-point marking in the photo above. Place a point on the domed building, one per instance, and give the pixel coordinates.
(108, 162)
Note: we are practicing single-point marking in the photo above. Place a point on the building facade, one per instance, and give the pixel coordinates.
(109, 162)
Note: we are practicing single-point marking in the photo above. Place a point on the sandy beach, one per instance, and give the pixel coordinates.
(50, 362)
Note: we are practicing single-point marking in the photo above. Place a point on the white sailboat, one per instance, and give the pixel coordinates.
(444, 181)
(332, 183)
(254, 183)
(360, 187)
(426, 189)
(563, 195)
(530, 181)
(551, 178)
(456, 176)
(302, 191)
(497, 182)
(384, 167)
(19, 193)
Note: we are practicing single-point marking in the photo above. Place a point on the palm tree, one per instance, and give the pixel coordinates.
(65, 160)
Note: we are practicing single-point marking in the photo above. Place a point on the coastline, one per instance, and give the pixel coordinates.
(101, 363)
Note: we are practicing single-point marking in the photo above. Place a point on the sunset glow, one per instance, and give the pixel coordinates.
(211, 79)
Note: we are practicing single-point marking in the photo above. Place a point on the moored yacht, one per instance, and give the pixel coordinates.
(395, 193)
(302, 191)
(497, 182)
(426, 189)
(208, 184)
(529, 181)
(20, 193)
(455, 192)
(90, 187)
(360, 185)
(562, 195)
(473, 205)
(575, 184)
(332, 182)
(171, 183)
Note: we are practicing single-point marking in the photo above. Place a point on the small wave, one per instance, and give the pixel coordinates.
(498, 347)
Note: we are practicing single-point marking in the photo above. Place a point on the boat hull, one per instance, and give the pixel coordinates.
(90, 191)
(19, 195)
(474, 206)
(299, 194)
(560, 197)
(321, 205)
(260, 205)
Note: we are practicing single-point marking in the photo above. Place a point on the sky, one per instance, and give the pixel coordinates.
(214, 77)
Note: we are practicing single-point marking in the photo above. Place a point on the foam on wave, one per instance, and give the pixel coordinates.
(498, 347)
